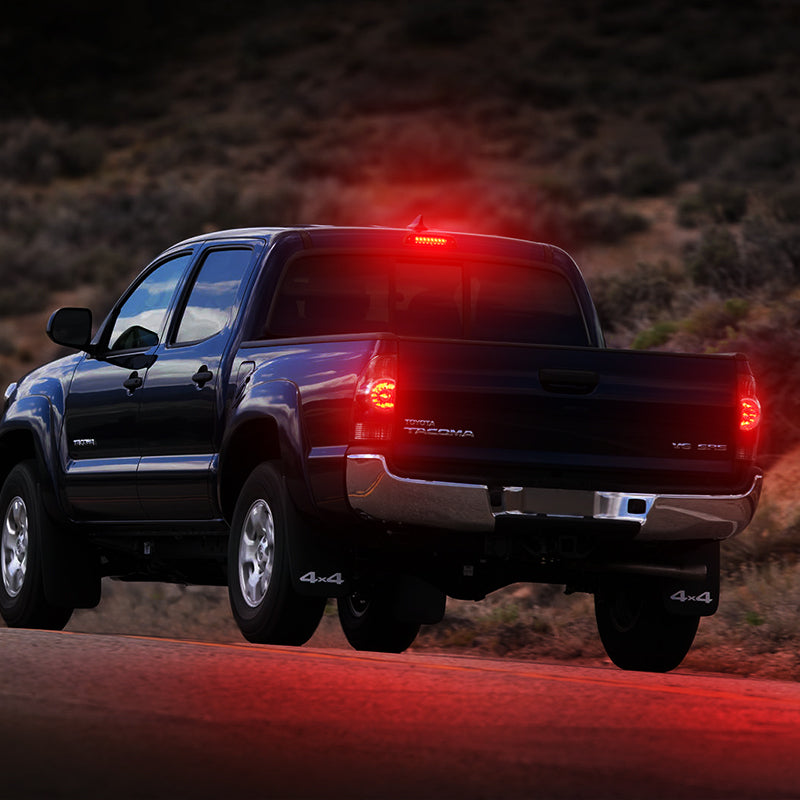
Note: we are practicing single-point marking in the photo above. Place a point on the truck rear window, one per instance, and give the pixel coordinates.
(322, 295)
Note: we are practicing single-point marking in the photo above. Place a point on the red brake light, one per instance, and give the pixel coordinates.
(749, 407)
(381, 394)
(375, 397)
(430, 240)
(749, 413)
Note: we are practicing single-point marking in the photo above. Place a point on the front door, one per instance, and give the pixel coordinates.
(102, 408)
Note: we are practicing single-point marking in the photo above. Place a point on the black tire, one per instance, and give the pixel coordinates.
(369, 623)
(25, 526)
(638, 633)
(265, 605)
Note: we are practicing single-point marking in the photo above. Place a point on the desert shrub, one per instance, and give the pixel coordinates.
(716, 203)
(646, 175)
(765, 601)
(37, 151)
(656, 335)
(717, 263)
(425, 154)
(786, 203)
(608, 223)
(767, 156)
(771, 252)
(771, 537)
(714, 320)
(646, 292)
(690, 211)
(585, 122)
(440, 23)
(700, 112)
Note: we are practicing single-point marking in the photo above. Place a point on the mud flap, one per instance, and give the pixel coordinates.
(70, 569)
(316, 569)
(697, 597)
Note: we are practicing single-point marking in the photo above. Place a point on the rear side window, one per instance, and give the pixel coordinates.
(484, 301)
(211, 300)
(322, 295)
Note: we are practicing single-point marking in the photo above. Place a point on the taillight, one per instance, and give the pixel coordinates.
(749, 407)
(748, 416)
(375, 396)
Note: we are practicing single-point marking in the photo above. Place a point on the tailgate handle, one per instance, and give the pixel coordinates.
(568, 381)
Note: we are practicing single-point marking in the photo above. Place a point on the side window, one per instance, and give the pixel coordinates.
(210, 305)
(141, 318)
(325, 295)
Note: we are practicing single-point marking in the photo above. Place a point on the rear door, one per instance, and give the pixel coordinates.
(183, 396)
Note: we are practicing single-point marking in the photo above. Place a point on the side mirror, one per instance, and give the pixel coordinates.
(71, 327)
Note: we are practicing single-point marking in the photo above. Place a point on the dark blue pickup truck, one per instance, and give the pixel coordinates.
(388, 417)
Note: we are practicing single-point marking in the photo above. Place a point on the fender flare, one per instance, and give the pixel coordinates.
(274, 406)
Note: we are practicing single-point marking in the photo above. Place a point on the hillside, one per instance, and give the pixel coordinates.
(659, 143)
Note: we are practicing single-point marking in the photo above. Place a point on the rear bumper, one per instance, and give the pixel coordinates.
(374, 491)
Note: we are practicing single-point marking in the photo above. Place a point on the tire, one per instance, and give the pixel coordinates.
(369, 623)
(265, 606)
(638, 633)
(25, 527)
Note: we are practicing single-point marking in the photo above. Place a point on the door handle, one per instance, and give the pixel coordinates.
(568, 381)
(202, 376)
(133, 382)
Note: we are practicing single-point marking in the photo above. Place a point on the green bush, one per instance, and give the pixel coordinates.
(715, 320)
(655, 336)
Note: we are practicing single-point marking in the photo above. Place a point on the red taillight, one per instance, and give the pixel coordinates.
(381, 394)
(748, 416)
(749, 413)
(749, 407)
(375, 397)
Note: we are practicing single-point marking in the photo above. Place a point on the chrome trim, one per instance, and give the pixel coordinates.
(373, 490)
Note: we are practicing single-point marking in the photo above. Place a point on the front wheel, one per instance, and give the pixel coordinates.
(638, 633)
(369, 623)
(23, 602)
(264, 603)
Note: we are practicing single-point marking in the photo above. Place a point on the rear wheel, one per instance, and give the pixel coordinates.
(638, 633)
(265, 605)
(23, 603)
(369, 623)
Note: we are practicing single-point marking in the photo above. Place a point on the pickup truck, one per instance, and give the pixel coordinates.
(388, 417)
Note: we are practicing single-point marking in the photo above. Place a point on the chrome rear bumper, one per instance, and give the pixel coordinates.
(374, 491)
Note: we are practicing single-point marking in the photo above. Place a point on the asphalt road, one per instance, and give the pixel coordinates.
(86, 716)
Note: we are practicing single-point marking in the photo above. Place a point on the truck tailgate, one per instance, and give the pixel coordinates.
(565, 417)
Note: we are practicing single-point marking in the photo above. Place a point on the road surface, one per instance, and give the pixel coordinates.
(85, 716)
